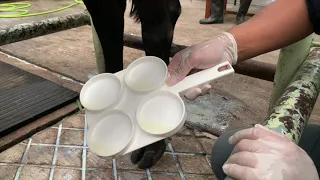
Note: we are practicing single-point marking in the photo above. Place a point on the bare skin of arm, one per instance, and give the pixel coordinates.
(280, 24)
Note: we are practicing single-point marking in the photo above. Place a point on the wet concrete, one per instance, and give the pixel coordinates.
(218, 112)
(235, 102)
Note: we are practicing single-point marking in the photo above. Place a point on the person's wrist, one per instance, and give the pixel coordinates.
(230, 47)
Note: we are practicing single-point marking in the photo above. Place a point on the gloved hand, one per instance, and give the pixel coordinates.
(148, 156)
(261, 154)
(202, 56)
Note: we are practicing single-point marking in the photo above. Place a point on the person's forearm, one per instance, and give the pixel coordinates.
(280, 24)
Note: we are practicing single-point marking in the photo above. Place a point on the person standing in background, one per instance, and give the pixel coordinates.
(216, 16)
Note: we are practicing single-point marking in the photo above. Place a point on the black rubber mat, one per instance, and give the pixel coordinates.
(25, 97)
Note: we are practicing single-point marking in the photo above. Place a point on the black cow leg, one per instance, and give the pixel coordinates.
(108, 21)
(158, 19)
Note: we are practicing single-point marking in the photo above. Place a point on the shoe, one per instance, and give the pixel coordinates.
(243, 10)
(211, 20)
(216, 16)
(240, 19)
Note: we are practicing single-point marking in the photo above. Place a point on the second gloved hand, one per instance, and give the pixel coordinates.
(261, 154)
(202, 56)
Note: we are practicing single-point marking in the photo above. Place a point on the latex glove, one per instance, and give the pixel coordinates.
(148, 156)
(261, 154)
(202, 56)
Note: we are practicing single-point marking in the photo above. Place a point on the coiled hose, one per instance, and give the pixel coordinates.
(20, 9)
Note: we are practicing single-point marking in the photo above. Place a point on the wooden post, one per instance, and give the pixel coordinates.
(225, 5)
(208, 9)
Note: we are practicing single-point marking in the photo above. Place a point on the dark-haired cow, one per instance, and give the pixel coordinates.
(158, 19)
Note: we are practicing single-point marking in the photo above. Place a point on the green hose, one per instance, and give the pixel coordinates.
(19, 7)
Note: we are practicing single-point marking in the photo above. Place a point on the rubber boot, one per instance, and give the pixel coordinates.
(216, 16)
(243, 10)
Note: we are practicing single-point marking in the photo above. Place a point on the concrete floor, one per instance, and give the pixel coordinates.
(71, 53)
(60, 153)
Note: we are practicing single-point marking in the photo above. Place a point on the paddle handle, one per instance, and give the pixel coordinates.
(202, 77)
